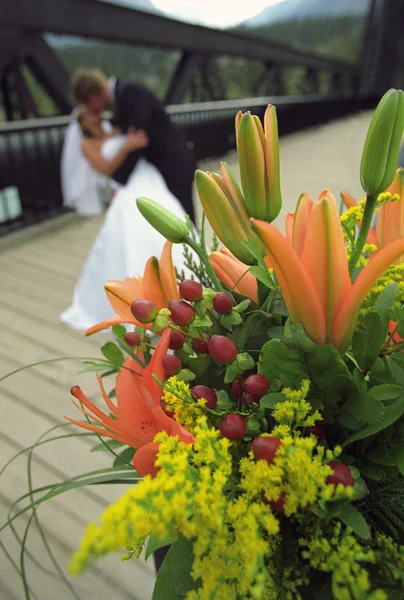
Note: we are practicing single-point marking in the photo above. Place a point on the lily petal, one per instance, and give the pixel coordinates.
(301, 221)
(167, 273)
(324, 257)
(144, 459)
(234, 274)
(105, 324)
(153, 285)
(297, 288)
(345, 318)
(155, 367)
(121, 294)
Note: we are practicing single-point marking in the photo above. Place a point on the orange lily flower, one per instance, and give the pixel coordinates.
(138, 415)
(158, 285)
(314, 276)
(390, 222)
(234, 274)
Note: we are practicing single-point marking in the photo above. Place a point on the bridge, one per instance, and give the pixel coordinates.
(43, 247)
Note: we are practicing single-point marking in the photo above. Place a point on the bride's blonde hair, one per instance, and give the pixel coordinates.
(85, 82)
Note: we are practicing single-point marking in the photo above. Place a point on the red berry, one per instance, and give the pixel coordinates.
(257, 385)
(202, 391)
(177, 340)
(167, 411)
(171, 365)
(144, 311)
(200, 346)
(182, 313)
(236, 388)
(265, 447)
(221, 349)
(279, 504)
(223, 303)
(249, 399)
(317, 430)
(132, 338)
(342, 474)
(190, 290)
(233, 427)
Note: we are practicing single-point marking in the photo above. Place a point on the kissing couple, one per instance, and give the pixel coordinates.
(141, 153)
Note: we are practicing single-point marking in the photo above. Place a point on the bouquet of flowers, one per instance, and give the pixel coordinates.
(262, 401)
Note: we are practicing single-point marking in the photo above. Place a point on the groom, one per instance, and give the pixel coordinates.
(138, 108)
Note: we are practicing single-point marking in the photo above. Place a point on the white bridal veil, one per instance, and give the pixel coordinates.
(83, 187)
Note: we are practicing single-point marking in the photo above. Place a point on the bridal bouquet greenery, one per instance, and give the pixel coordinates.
(262, 402)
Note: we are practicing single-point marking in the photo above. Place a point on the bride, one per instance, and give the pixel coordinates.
(125, 240)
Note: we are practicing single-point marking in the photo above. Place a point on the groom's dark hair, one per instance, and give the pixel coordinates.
(85, 82)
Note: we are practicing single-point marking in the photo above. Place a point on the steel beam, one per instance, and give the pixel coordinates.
(26, 102)
(101, 20)
(182, 78)
(10, 42)
(47, 69)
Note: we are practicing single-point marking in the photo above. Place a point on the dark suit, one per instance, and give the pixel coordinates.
(138, 108)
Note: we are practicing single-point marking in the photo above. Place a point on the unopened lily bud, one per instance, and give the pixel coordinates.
(382, 145)
(164, 221)
(227, 217)
(258, 153)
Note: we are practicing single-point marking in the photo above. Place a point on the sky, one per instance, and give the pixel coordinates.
(218, 13)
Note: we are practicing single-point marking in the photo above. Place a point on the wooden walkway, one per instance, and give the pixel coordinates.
(37, 275)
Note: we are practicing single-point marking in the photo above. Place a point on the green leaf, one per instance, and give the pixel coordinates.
(380, 457)
(205, 322)
(366, 344)
(245, 361)
(186, 375)
(262, 275)
(284, 362)
(242, 306)
(354, 519)
(360, 380)
(233, 319)
(364, 408)
(111, 351)
(348, 421)
(156, 543)
(105, 446)
(392, 413)
(126, 456)
(371, 470)
(398, 453)
(386, 392)
(119, 331)
(174, 579)
(360, 489)
(269, 400)
(253, 333)
(385, 300)
(329, 376)
(223, 400)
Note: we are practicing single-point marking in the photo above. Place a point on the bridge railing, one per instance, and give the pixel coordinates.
(30, 151)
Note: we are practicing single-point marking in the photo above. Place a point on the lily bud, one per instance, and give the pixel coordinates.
(223, 206)
(382, 145)
(258, 153)
(164, 221)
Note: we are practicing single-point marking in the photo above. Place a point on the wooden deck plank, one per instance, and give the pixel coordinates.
(67, 515)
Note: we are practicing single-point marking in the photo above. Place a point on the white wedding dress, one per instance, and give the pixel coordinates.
(124, 243)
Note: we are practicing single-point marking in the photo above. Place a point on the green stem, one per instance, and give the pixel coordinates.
(363, 232)
(203, 255)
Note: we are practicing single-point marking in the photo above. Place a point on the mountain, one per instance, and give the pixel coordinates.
(302, 9)
(61, 41)
(144, 5)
